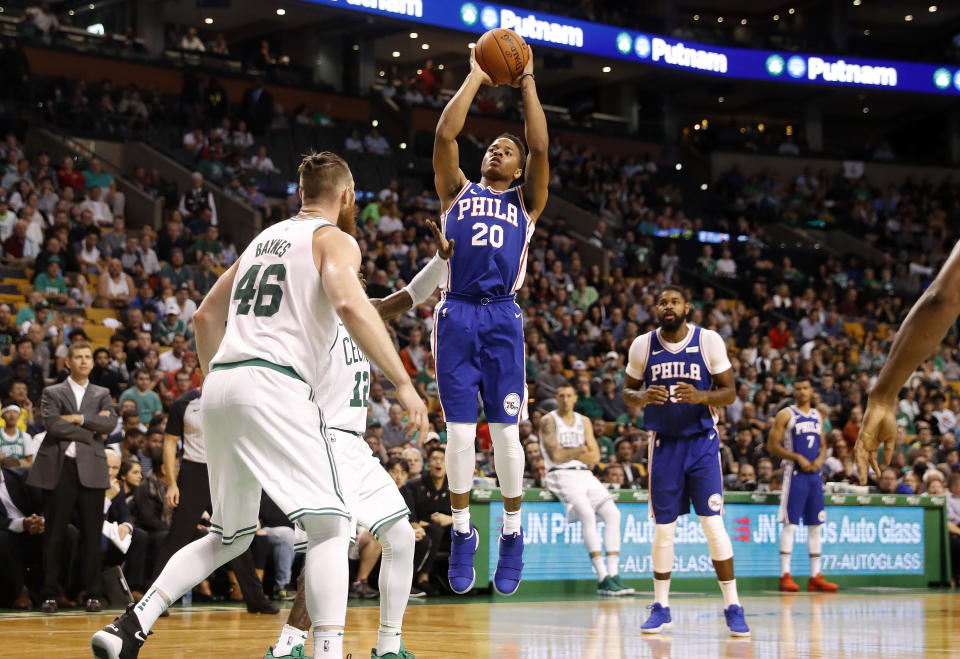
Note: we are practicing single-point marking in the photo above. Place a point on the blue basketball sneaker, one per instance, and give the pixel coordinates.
(506, 578)
(736, 621)
(659, 620)
(461, 572)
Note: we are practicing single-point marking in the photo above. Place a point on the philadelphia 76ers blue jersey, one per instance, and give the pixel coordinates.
(667, 368)
(478, 327)
(801, 496)
(804, 432)
(492, 231)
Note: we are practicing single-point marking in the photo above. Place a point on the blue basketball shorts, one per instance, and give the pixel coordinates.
(479, 353)
(802, 498)
(684, 470)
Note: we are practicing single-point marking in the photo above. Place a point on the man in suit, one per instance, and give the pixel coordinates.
(634, 473)
(134, 560)
(72, 466)
(21, 536)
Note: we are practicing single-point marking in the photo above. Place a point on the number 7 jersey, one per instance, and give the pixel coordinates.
(493, 232)
(279, 312)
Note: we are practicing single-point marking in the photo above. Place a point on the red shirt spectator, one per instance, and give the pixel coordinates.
(779, 336)
(70, 178)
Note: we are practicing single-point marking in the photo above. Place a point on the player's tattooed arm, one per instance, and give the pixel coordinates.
(775, 442)
(557, 453)
(724, 391)
(634, 393)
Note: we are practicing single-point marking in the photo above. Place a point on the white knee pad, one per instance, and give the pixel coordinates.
(718, 540)
(397, 540)
(786, 538)
(814, 541)
(461, 456)
(663, 546)
(396, 571)
(508, 455)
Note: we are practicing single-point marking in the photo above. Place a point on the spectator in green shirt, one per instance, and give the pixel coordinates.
(51, 283)
(209, 243)
(706, 264)
(36, 311)
(96, 177)
(583, 295)
(171, 325)
(605, 444)
(371, 210)
(148, 402)
(175, 273)
(586, 405)
(632, 417)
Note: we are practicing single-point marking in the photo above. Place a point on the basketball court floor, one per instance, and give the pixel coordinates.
(857, 623)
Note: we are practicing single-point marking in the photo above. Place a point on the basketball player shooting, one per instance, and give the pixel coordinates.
(687, 375)
(479, 332)
(919, 335)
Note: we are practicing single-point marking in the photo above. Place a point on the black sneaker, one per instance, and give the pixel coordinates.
(264, 606)
(121, 639)
(49, 606)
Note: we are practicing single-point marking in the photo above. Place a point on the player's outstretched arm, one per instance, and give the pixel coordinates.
(423, 284)
(775, 441)
(338, 258)
(209, 321)
(447, 175)
(557, 453)
(920, 333)
(538, 142)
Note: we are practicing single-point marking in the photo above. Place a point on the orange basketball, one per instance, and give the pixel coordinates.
(502, 54)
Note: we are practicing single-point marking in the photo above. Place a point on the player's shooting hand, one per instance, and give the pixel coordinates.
(879, 428)
(444, 246)
(173, 495)
(656, 394)
(526, 69)
(687, 393)
(477, 72)
(803, 463)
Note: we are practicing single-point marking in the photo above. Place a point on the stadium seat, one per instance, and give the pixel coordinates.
(97, 315)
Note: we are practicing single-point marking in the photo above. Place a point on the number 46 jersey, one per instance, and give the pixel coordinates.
(279, 312)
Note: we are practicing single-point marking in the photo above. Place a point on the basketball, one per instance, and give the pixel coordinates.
(502, 54)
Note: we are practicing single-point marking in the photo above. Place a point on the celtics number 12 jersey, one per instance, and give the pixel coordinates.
(279, 312)
(343, 398)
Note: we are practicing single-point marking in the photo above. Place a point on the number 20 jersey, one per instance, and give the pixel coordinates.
(279, 311)
(492, 233)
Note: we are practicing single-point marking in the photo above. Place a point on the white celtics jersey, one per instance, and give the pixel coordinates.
(568, 436)
(279, 312)
(343, 395)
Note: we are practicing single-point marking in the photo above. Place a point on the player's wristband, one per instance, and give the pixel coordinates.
(426, 281)
(524, 75)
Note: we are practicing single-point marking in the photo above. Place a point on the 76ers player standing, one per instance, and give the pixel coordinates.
(687, 375)
(478, 328)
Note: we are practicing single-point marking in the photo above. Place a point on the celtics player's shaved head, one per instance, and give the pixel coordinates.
(325, 179)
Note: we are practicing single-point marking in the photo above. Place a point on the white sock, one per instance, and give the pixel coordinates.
(290, 637)
(388, 640)
(814, 566)
(729, 590)
(328, 643)
(784, 563)
(150, 608)
(461, 520)
(599, 567)
(661, 592)
(511, 522)
(613, 564)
